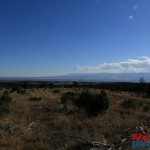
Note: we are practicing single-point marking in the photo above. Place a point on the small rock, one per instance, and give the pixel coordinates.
(31, 126)
(123, 140)
(11, 128)
(141, 128)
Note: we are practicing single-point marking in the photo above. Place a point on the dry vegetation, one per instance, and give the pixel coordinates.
(43, 124)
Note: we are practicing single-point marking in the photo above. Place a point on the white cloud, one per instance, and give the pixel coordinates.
(141, 64)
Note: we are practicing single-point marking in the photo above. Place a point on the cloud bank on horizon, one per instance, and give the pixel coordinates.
(138, 65)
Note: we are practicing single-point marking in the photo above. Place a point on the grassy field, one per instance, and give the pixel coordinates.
(37, 121)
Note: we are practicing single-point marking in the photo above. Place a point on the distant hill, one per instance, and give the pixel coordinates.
(96, 77)
(105, 77)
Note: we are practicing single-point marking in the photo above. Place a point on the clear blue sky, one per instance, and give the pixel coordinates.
(49, 37)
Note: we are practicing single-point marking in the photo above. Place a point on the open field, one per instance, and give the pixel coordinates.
(37, 120)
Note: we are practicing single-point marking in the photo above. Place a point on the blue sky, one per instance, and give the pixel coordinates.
(52, 37)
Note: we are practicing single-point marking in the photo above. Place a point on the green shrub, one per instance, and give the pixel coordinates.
(44, 85)
(69, 96)
(131, 104)
(18, 89)
(93, 104)
(146, 108)
(24, 85)
(1, 87)
(5, 100)
(51, 85)
(4, 108)
(148, 91)
(21, 91)
(56, 91)
(75, 84)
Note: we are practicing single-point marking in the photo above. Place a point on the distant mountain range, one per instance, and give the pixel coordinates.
(93, 77)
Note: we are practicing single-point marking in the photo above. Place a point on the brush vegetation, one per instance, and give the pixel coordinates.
(46, 118)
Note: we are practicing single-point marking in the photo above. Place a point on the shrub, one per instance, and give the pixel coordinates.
(146, 108)
(1, 87)
(35, 98)
(4, 108)
(24, 85)
(51, 85)
(18, 89)
(75, 84)
(69, 96)
(93, 104)
(21, 91)
(131, 104)
(56, 91)
(44, 85)
(5, 99)
(148, 91)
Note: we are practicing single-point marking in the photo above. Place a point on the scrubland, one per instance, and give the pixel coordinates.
(37, 120)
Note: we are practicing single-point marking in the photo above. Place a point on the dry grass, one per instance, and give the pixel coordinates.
(52, 126)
